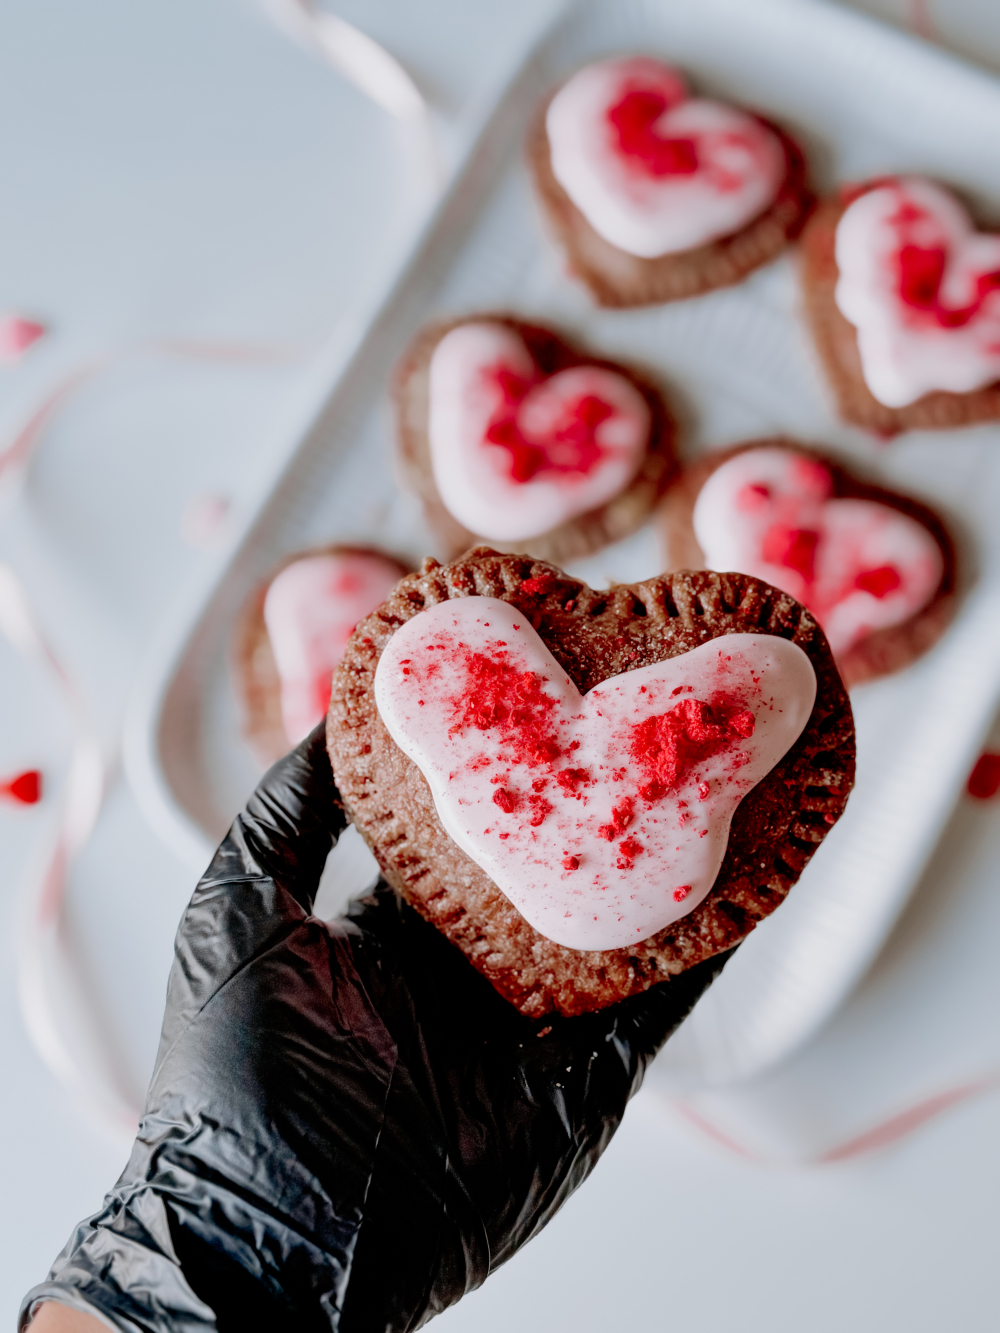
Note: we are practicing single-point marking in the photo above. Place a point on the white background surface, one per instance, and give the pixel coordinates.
(175, 168)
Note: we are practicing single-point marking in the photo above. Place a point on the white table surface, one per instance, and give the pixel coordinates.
(177, 169)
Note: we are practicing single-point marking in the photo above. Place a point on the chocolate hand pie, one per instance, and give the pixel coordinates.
(589, 792)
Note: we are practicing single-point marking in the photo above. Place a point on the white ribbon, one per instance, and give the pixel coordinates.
(351, 53)
(56, 1003)
(878, 1135)
(16, 454)
(59, 1007)
(369, 66)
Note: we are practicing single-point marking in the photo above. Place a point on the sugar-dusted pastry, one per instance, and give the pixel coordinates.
(292, 634)
(589, 792)
(876, 568)
(509, 433)
(903, 296)
(655, 194)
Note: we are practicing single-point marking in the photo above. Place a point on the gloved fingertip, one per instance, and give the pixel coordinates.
(295, 815)
(301, 786)
(656, 1014)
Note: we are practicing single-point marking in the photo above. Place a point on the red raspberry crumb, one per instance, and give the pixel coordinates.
(506, 799)
(572, 778)
(540, 807)
(538, 587)
(629, 849)
(621, 817)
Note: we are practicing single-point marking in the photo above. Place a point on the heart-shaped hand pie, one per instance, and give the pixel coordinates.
(508, 433)
(652, 170)
(515, 453)
(656, 194)
(922, 288)
(875, 569)
(292, 634)
(608, 787)
(603, 817)
(904, 298)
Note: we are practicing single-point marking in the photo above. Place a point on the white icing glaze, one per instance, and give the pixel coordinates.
(310, 611)
(526, 803)
(911, 347)
(476, 477)
(749, 510)
(739, 164)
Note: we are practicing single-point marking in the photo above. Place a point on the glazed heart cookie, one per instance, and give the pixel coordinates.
(509, 434)
(875, 568)
(652, 169)
(589, 792)
(603, 817)
(904, 300)
(656, 194)
(291, 634)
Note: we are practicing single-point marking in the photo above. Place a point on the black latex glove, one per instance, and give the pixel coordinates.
(347, 1127)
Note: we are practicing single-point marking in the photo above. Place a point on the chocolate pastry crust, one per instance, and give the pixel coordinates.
(252, 667)
(884, 650)
(622, 515)
(618, 279)
(593, 635)
(837, 343)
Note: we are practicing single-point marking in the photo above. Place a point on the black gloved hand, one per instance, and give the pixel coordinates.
(347, 1127)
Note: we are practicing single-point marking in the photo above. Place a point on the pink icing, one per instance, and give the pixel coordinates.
(923, 290)
(515, 453)
(653, 171)
(602, 817)
(310, 611)
(856, 564)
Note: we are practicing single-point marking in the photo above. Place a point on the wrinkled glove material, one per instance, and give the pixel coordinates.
(347, 1127)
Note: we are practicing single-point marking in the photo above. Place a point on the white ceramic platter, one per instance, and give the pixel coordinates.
(863, 100)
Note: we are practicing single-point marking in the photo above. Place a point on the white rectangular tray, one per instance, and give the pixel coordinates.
(863, 100)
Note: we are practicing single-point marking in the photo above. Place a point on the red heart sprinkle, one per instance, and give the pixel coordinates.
(26, 788)
(984, 780)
